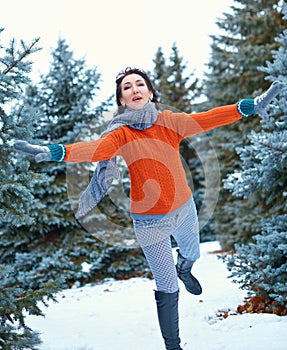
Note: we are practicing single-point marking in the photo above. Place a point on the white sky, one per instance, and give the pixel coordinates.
(114, 34)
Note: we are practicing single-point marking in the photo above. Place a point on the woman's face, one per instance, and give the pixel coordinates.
(134, 91)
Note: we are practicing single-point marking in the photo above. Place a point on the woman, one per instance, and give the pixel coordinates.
(161, 200)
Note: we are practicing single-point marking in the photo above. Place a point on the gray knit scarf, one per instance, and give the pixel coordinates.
(106, 171)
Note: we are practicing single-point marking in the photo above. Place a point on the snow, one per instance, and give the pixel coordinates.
(121, 315)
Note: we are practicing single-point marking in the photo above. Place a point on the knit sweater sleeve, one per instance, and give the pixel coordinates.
(93, 151)
(196, 123)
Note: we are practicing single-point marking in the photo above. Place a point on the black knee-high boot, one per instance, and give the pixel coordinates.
(167, 310)
(183, 268)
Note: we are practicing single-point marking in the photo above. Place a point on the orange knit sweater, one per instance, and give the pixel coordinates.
(158, 180)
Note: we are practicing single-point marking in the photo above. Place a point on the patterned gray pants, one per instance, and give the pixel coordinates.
(154, 235)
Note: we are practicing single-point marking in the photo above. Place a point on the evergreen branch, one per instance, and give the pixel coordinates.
(27, 51)
(6, 130)
(271, 147)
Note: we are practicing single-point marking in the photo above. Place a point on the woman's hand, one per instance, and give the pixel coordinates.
(263, 100)
(40, 153)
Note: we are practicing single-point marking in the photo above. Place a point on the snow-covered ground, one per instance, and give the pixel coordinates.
(121, 315)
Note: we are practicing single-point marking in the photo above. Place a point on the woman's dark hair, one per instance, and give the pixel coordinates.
(129, 71)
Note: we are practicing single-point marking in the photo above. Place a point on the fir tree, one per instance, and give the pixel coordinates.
(260, 266)
(246, 42)
(160, 76)
(17, 200)
(36, 255)
(14, 124)
(15, 304)
(64, 101)
(175, 89)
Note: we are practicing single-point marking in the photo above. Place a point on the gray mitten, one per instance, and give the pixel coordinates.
(41, 153)
(263, 100)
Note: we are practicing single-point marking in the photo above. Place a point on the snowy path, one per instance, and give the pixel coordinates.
(121, 315)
